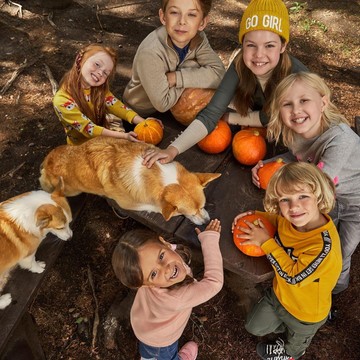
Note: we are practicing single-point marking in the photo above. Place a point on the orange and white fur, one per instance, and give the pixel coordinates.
(25, 220)
(113, 168)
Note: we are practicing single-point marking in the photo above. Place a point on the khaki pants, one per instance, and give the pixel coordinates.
(269, 316)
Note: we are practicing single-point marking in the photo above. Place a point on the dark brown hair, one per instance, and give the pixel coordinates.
(205, 6)
(71, 83)
(126, 263)
(243, 100)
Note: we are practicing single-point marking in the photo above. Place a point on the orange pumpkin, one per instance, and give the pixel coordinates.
(248, 147)
(251, 250)
(218, 140)
(268, 170)
(149, 131)
(190, 103)
(262, 130)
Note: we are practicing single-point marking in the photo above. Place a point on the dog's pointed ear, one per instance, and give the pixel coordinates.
(42, 217)
(205, 178)
(168, 207)
(60, 187)
(168, 210)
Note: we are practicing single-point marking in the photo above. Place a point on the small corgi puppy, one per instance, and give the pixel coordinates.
(113, 168)
(25, 220)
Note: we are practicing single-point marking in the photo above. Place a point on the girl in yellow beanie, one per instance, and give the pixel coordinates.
(245, 91)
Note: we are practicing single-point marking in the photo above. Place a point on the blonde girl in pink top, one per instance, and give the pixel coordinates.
(166, 289)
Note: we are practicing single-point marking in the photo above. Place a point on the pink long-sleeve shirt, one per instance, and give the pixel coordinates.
(159, 315)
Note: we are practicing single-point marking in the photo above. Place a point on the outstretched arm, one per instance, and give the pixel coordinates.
(191, 136)
(131, 135)
(163, 155)
(214, 225)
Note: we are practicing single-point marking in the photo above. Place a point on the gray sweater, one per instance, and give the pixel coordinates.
(337, 153)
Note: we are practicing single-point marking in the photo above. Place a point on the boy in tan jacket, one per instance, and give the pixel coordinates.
(175, 56)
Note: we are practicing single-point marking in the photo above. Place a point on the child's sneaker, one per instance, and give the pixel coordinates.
(333, 314)
(189, 351)
(273, 351)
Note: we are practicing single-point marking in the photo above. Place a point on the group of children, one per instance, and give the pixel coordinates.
(314, 200)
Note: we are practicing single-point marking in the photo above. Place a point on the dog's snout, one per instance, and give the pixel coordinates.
(201, 218)
(70, 234)
(65, 234)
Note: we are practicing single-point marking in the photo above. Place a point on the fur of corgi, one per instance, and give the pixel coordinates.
(25, 220)
(113, 168)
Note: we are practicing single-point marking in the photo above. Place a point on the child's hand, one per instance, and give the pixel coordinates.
(171, 78)
(164, 156)
(214, 225)
(255, 234)
(137, 120)
(158, 120)
(131, 136)
(237, 217)
(254, 173)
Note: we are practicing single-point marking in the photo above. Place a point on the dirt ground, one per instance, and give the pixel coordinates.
(324, 36)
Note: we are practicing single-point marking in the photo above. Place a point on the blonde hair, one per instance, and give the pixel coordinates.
(290, 177)
(71, 83)
(243, 100)
(330, 116)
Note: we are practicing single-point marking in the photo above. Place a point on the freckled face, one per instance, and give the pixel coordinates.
(96, 69)
(261, 51)
(301, 109)
(182, 19)
(161, 266)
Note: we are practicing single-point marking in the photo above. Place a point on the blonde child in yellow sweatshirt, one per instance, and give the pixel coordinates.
(305, 254)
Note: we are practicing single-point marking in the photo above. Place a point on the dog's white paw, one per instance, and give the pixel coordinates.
(5, 300)
(38, 267)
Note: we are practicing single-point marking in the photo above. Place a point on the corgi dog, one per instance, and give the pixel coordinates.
(113, 168)
(25, 220)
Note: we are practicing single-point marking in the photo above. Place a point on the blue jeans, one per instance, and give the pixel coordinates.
(148, 352)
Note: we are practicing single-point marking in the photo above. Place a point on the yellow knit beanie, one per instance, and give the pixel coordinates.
(270, 15)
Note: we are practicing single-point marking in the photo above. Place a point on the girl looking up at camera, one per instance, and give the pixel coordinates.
(166, 290)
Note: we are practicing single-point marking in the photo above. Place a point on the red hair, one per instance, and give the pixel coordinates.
(71, 83)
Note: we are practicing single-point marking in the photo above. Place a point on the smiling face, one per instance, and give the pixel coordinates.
(301, 109)
(182, 19)
(161, 266)
(96, 69)
(261, 51)
(301, 209)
